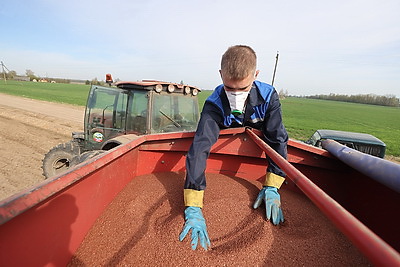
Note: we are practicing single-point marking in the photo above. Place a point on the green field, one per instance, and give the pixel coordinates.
(301, 116)
(75, 94)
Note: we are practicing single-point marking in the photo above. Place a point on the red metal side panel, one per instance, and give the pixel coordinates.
(153, 162)
(46, 224)
(50, 231)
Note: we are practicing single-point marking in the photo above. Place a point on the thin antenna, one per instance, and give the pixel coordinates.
(276, 63)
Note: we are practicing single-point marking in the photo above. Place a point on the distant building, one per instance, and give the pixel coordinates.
(78, 81)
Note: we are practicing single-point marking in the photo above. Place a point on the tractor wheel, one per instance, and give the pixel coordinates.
(59, 158)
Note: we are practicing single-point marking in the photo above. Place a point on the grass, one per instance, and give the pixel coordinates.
(301, 116)
(75, 94)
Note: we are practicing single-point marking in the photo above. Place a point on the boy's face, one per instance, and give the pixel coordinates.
(243, 85)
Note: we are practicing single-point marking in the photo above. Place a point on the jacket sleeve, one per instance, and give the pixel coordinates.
(275, 133)
(207, 134)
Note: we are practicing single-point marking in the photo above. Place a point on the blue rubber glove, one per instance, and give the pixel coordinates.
(272, 200)
(195, 221)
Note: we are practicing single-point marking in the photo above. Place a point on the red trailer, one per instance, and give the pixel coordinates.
(46, 224)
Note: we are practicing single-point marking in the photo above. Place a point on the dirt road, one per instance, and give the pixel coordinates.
(28, 129)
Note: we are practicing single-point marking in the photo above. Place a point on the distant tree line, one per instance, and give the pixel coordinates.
(8, 75)
(388, 100)
(30, 76)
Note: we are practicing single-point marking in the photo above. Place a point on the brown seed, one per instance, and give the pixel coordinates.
(142, 225)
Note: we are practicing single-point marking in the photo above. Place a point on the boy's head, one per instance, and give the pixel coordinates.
(238, 62)
(238, 68)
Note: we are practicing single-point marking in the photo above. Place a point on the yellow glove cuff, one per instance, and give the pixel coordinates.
(193, 198)
(274, 180)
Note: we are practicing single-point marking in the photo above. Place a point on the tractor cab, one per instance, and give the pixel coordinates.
(139, 108)
(118, 114)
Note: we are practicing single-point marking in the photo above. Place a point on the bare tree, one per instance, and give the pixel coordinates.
(282, 94)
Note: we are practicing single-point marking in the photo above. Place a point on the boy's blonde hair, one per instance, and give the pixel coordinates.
(238, 62)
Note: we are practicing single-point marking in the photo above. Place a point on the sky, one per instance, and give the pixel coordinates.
(342, 47)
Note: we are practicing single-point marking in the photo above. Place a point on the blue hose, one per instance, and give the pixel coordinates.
(382, 171)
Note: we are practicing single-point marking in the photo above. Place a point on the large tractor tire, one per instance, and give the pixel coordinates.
(59, 159)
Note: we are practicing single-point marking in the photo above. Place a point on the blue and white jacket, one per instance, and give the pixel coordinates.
(262, 111)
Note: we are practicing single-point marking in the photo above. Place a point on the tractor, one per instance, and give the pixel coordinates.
(117, 115)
